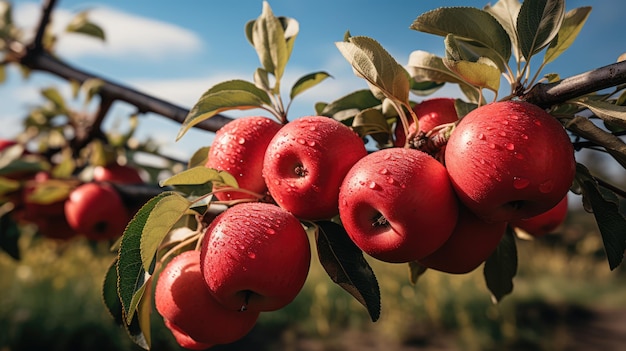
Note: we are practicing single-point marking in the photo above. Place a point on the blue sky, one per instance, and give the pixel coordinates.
(176, 50)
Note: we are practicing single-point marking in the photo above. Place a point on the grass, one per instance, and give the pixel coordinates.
(51, 300)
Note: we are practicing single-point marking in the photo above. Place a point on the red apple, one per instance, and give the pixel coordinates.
(510, 160)
(398, 205)
(96, 210)
(546, 222)
(471, 243)
(117, 173)
(183, 339)
(255, 256)
(183, 300)
(430, 114)
(239, 148)
(306, 162)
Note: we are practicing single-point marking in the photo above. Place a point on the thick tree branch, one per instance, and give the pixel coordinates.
(46, 13)
(546, 95)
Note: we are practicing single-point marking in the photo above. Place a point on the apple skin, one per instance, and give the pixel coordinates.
(471, 243)
(306, 162)
(117, 173)
(430, 113)
(510, 160)
(239, 148)
(182, 299)
(545, 222)
(255, 256)
(412, 191)
(96, 211)
(183, 339)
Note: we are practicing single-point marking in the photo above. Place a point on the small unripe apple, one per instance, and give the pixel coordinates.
(239, 148)
(306, 162)
(545, 222)
(182, 299)
(471, 243)
(183, 339)
(430, 113)
(398, 205)
(96, 210)
(255, 256)
(510, 160)
(117, 173)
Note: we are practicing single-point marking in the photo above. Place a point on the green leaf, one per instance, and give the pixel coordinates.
(349, 105)
(538, 23)
(346, 266)
(81, 24)
(91, 87)
(262, 80)
(425, 88)
(110, 297)
(66, 167)
(9, 236)
(463, 50)
(483, 73)
(50, 191)
(372, 122)
(199, 158)
(306, 82)
(53, 95)
(370, 61)
(3, 73)
(469, 23)
(608, 214)
(583, 127)
(501, 267)
(416, 270)
(8, 185)
(573, 22)
(212, 103)
(200, 175)
(506, 12)
(132, 276)
(607, 111)
(165, 214)
(6, 18)
(136, 334)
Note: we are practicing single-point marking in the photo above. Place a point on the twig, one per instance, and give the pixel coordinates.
(546, 95)
(37, 44)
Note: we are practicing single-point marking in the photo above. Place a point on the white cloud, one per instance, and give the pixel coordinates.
(127, 35)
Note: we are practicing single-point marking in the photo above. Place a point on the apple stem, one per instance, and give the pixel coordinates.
(380, 221)
(247, 295)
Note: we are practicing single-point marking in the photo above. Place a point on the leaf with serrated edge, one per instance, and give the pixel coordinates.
(572, 24)
(165, 214)
(606, 210)
(373, 63)
(538, 23)
(346, 266)
(506, 12)
(307, 82)
(132, 276)
(109, 295)
(469, 23)
(213, 103)
(481, 74)
(501, 267)
(416, 270)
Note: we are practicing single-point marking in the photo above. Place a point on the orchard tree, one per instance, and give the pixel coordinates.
(385, 172)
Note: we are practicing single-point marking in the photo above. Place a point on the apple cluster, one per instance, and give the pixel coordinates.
(505, 163)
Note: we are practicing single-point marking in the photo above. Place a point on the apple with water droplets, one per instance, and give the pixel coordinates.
(471, 243)
(510, 160)
(397, 204)
(190, 310)
(238, 148)
(545, 222)
(430, 113)
(255, 256)
(306, 162)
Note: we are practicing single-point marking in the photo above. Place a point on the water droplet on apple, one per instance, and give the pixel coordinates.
(482, 136)
(520, 183)
(373, 186)
(270, 231)
(524, 136)
(509, 146)
(482, 161)
(505, 122)
(391, 181)
(492, 145)
(241, 141)
(311, 143)
(301, 141)
(386, 156)
(252, 255)
(384, 171)
(537, 122)
(518, 156)
(546, 186)
(502, 133)
(312, 128)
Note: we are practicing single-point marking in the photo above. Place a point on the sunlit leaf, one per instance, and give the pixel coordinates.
(346, 266)
(501, 267)
(607, 111)
(608, 214)
(573, 22)
(261, 79)
(3, 74)
(65, 168)
(463, 50)
(6, 17)
(132, 276)
(199, 175)
(53, 95)
(466, 22)
(416, 270)
(506, 12)
(426, 67)
(370, 61)
(538, 23)
(81, 24)
(8, 185)
(307, 82)
(267, 35)
(425, 88)
(144, 311)
(91, 87)
(165, 214)
(482, 73)
(50, 191)
(199, 158)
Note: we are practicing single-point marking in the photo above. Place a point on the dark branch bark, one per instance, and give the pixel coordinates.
(546, 95)
(43, 61)
(46, 13)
